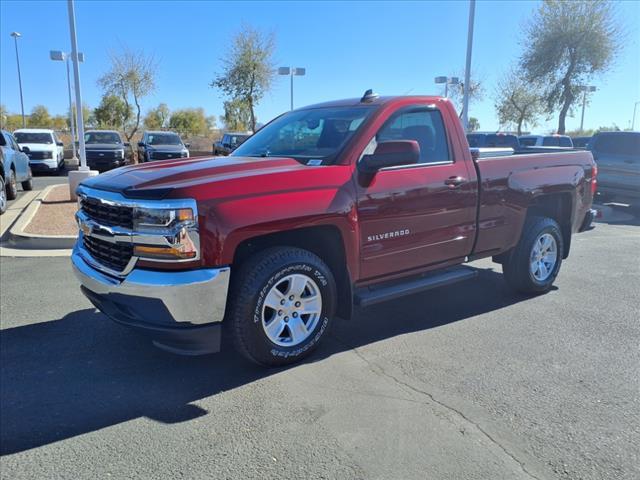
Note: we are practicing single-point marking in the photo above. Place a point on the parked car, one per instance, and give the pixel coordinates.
(348, 202)
(229, 142)
(15, 169)
(546, 141)
(617, 155)
(493, 140)
(580, 142)
(161, 146)
(105, 149)
(44, 148)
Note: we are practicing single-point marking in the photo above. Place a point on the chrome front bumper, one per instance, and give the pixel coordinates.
(182, 311)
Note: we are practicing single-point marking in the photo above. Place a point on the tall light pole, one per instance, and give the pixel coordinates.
(633, 120)
(60, 56)
(467, 67)
(75, 177)
(15, 36)
(585, 89)
(291, 71)
(447, 81)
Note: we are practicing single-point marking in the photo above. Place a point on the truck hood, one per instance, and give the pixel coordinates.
(173, 178)
(39, 147)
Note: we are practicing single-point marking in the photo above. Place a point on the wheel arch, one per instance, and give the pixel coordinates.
(325, 241)
(559, 207)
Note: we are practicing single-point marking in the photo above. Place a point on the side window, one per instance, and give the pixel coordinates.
(423, 125)
(13, 143)
(565, 142)
(550, 142)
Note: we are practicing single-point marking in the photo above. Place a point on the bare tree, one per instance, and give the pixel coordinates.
(248, 69)
(131, 77)
(456, 92)
(517, 103)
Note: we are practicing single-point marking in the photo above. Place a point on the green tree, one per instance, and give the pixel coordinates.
(87, 115)
(188, 121)
(211, 122)
(59, 122)
(132, 77)
(112, 112)
(566, 44)
(474, 124)
(248, 71)
(517, 103)
(39, 117)
(157, 118)
(237, 116)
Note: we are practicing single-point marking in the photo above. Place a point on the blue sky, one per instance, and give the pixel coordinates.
(392, 47)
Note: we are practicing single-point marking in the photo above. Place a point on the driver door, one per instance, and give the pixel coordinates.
(416, 216)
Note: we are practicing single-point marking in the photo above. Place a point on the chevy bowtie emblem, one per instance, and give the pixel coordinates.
(101, 154)
(86, 229)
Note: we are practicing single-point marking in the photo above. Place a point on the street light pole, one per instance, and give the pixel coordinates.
(75, 177)
(447, 81)
(467, 68)
(585, 89)
(633, 120)
(15, 36)
(291, 71)
(73, 122)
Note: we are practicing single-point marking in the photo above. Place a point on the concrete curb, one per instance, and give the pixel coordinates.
(26, 240)
(17, 243)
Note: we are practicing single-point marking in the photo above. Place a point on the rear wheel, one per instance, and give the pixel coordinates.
(12, 186)
(282, 302)
(534, 263)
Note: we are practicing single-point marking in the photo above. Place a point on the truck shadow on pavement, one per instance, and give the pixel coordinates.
(82, 373)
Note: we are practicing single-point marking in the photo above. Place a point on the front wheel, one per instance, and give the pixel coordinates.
(282, 302)
(534, 263)
(3, 197)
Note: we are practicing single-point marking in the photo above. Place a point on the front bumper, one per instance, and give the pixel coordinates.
(43, 165)
(182, 311)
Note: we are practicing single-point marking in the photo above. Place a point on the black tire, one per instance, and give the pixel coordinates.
(27, 185)
(3, 197)
(517, 268)
(254, 280)
(12, 186)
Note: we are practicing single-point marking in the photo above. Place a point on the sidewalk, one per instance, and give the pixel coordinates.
(40, 224)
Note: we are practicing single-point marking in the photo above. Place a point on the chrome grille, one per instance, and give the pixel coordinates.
(115, 256)
(106, 214)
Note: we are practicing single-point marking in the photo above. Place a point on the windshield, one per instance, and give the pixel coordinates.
(28, 137)
(527, 141)
(163, 139)
(101, 137)
(317, 134)
(234, 139)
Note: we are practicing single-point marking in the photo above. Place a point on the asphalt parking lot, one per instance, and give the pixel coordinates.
(464, 382)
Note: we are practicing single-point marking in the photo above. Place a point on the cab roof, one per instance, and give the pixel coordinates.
(374, 100)
(33, 130)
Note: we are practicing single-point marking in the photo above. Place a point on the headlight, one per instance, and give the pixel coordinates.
(160, 220)
(119, 153)
(185, 153)
(47, 154)
(175, 225)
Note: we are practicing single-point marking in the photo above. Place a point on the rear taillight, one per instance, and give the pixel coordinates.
(594, 180)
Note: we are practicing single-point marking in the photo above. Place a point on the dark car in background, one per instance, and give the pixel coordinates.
(617, 155)
(15, 168)
(554, 140)
(229, 142)
(161, 146)
(491, 140)
(580, 142)
(105, 149)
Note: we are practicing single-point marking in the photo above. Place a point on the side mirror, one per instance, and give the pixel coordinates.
(390, 154)
(187, 145)
(60, 144)
(141, 144)
(127, 144)
(25, 150)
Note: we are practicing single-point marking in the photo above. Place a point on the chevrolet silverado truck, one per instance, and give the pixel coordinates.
(336, 205)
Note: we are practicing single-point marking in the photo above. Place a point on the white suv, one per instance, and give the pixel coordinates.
(44, 148)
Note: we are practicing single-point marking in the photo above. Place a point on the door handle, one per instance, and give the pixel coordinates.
(454, 182)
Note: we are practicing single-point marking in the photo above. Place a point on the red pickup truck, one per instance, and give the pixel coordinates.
(345, 203)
